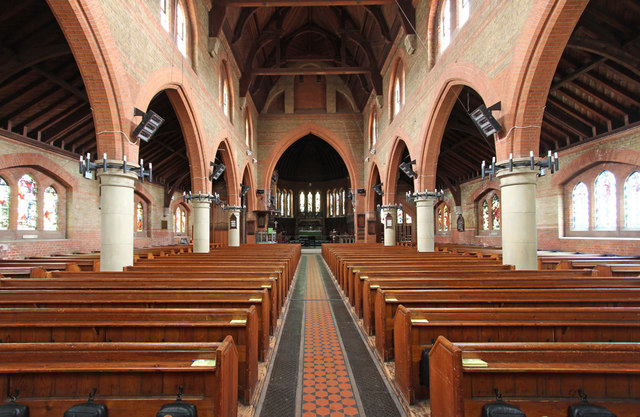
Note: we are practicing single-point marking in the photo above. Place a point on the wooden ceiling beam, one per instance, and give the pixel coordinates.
(614, 89)
(311, 71)
(560, 121)
(606, 50)
(573, 113)
(588, 106)
(378, 16)
(245, 14)
(604, 100)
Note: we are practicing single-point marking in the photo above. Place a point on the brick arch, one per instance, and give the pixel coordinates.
(180, 95)
(485, 188)
(370, 194)
(42, 164)
(328, 135)
(229, 159)
(536, 57)
(451, 82)
(591, 159)
(391, 177)
(86, 30)
(247, 172)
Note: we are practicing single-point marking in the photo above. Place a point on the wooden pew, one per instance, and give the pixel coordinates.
(131, 378)
(617, 270)
(20, 325)
(157, 299)
(458, 278)
(540, 378)
(416, 329)
(387, 302)
(165, 284)
(213, 280)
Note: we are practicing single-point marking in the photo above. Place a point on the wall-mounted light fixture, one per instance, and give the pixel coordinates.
(218, 169)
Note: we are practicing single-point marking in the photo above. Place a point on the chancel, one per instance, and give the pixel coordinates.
(319, 207)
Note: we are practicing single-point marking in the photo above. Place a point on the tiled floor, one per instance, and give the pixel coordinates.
(321, 365)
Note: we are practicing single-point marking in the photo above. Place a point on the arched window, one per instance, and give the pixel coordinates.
(445, 218)
(247, 131)
(336, 196)
(27, 203)
(580, 207)
(495, 212)
(440, 220)
(164, 14)
(5, 195)
(139, 217)
(632, 201)
(309, 202)
(226, 105)
(344, 203)
(397, 94)
(400, 214)
(317, 201)
(373, 128)
(408, 219)
(464, 9)
(180, 220)
(181, 28)
(302, 204)
(330, 203)
(282, 194)
(289, 198)
(50, 205)
(605, 201)
(444, 26)
(485, 215)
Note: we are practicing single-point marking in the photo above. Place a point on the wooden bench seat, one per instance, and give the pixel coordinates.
(131, 378)
(157, 299)
(166, 284)
(548, 376)
(453, 278)
(20, 325)
(387, 302)
(416, 329)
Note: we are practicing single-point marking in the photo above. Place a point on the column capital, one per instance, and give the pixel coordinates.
(519, 176)
(425, 200)
(200, 202)
(117, 178)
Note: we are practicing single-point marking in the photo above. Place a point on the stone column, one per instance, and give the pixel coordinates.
(518, 203)
(201, 226)
(116, 219)
(425, 224)
(389, 232)
(234, 226)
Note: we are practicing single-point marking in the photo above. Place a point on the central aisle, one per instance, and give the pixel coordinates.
(322, 366)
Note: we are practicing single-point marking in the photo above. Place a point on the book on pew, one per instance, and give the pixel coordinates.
(474, 363)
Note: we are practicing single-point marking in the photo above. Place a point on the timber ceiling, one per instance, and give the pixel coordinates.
(311, 159)
(349, 38)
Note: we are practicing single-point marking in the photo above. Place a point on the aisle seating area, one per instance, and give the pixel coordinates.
(170, 309)
(423, 309)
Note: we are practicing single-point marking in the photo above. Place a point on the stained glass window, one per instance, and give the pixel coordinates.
(397, 95)
(445, 218)
(331, 204)
(282, 194)
(302, 205)
(139, 217)
(225, 98)
(440, 220)
(400, 214)
(27, 203)
(495, 212)
(247, 132)
(5, 193)
(337, 200)
(485, 215)
(309, 202)
(605, 201)
(317, 201)
(50, 205)
(164, 14)
(632, 201)
(289, 197)
(445, 25)
(580, 207)
(408, 218)
(374, 128)
(464, 8)
(181, 220)
(344, 203)
(181, 29)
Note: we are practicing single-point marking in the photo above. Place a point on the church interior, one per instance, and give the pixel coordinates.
(320, 207)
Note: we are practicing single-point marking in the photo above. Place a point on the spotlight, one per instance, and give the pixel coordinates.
(150, 123)
(244, 189)
(484, 121)
(378, 188)
(406, 168)
(218, 169)
(361, 191)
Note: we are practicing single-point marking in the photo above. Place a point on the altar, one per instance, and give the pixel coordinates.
(308, 226)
